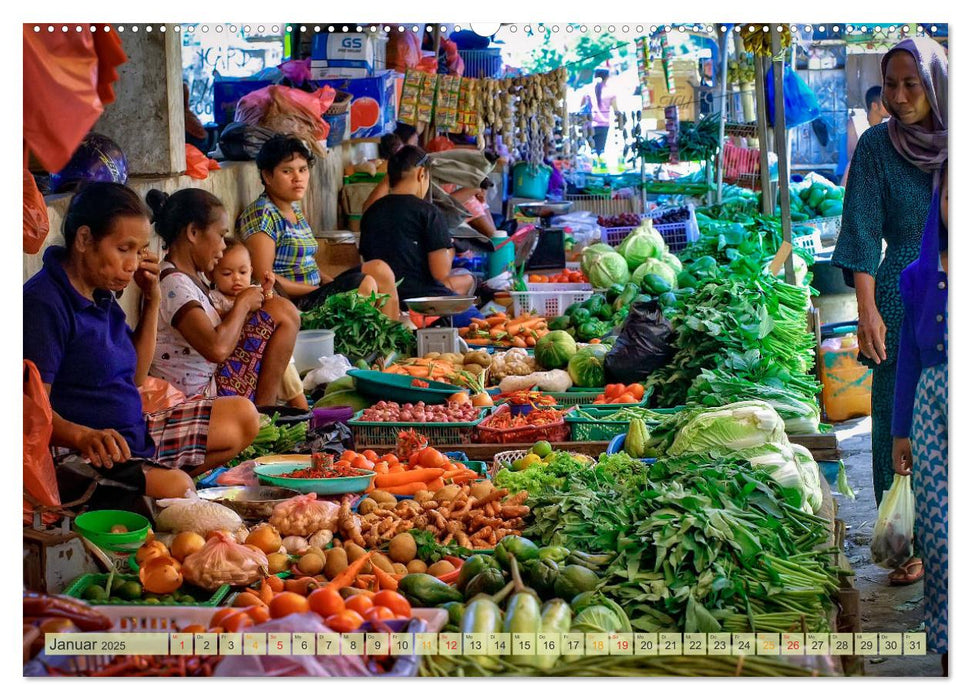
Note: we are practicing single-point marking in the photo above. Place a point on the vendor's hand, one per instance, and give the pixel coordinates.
(146, 276)
(269, 281)
(250, 299)
(103, 447)
(903, 458)
(872, 335)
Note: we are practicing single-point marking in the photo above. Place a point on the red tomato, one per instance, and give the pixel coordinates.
(326, 601)
(395, 601)
(359, 603)
(347, 621)
(379, 612)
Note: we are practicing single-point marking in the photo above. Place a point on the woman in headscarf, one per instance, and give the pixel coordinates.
(888, 197)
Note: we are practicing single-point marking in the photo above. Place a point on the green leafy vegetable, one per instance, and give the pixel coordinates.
(360, 329)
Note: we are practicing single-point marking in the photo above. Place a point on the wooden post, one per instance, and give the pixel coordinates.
(782, 146)
(723, 115)
(762, 118)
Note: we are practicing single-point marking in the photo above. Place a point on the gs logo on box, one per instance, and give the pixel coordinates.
(354, 43)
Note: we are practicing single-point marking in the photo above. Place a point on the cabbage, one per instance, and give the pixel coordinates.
(809, 471)
(655, 267)
(730, 428)
(672, 261)
(591, 253)
(597, 619)
(779, 461)
(608, 269)
(640, 245)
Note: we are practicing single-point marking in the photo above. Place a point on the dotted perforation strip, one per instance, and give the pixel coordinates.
(631, 29)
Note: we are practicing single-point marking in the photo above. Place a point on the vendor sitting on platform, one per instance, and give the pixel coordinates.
(92, 363)
(410, 234)
(281, 241)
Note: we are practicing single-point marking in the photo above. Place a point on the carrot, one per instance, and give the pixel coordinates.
(425, 474)
(344, 578)
(531, 341)
(496, 321)
(462, 478)
(450, 577)
(386, 582)
(406, 489)
(435, 484)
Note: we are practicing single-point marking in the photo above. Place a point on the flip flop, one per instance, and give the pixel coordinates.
(911, 572)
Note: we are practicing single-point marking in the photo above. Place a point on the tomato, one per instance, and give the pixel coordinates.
(347, 456)
(259, 613)
(193, 629)
(221, 615)
(237, 622)
(361, 462)
(371, 455)
(359, 603)
(381, 467)
(379, 612)
(284, 604)
(432, 459)
(393, 600)
(636, 390)
(347, 621)
(326, 601)
(391, 458)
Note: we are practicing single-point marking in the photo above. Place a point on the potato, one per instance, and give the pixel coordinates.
(383, 497)
(423, 495)
(401, 569)
(354, 552)
(366, 506)
(448, 493)
(440, 568)
(310, 564)
(417, 566)
(382, 562)
(402, 548)
(481, 489)
(336, 562)
(278, 562)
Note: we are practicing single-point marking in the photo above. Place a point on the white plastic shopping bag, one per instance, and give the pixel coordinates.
(893, 535)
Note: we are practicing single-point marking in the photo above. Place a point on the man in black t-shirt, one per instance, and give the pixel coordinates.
(410, 234)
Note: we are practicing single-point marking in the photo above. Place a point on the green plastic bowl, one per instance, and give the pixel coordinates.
(275, 475)
(397, 387)
(96, 526)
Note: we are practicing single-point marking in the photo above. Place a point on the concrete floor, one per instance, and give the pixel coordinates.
(883, 608)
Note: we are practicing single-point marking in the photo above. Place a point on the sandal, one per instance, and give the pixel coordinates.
(911, 572)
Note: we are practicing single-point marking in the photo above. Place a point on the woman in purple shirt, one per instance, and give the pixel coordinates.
(92, 363)
(920, 411)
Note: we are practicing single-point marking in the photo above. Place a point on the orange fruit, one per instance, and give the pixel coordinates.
(220, 616)
(347, 455)
(246, 599)
(394, 601)
(365, 112)
(193, 629)
(284, 604)
(259, 613)
(326, 601)
(432, 458)
(361, 462)
(379, 612)
(237, 622)
(347, 621)
(359, 603)
(371, 455)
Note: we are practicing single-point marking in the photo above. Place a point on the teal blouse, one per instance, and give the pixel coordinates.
(887, 200)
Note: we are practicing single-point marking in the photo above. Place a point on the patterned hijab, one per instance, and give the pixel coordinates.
(926, 150)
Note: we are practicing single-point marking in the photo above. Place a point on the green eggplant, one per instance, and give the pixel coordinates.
(428, 591)
(522, 548)
(473, 566)
(489, 581)
(541, 575)
(556, 554)
(483, 616)
(574, 579)
(555, 619)
(455, 612)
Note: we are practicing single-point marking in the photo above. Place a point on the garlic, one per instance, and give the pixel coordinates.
(321, 538)
(295, 545)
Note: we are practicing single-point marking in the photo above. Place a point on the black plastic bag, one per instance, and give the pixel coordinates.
(240, 141)
(643, 345)
(329, 437)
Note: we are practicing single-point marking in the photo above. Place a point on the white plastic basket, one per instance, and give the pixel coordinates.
(828, 227)
(156, 618)
(558, 286)
(548, 304)
(678, 235)
(810, 242)
(615, 235)
(501, 459)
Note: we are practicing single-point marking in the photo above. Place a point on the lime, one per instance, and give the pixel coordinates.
(542, 448)
(150, 601)
(114, 600)
(117, 583)
(187, 599)
(167, 599)
(131, 590)
(94, 592)
(517, 465)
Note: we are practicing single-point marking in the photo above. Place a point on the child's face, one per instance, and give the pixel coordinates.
(234, 272)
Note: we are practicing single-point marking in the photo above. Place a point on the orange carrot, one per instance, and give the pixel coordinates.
(435, 484)
(406, 489)
(386, 582)
(345, 577)
(413, 475)
(451, 576)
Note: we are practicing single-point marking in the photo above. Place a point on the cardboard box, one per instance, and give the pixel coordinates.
(226, 92)
(336, 70)
(335, 258)
(374, 107)
(353, 50)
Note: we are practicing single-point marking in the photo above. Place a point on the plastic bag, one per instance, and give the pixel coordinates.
(40, 479)
(240, 475)
(644, 344)
(196, 515)
(328, 437)
(330, 370)
(297, 72)
(289, 111)
(801, 104)
(403, 51)
(240, 141)
(304, 515)
(158, 395)
(893, 535)
(223, 561)
(197, 163)
(36, 222)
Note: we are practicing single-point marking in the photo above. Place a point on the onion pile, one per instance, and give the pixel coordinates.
(391, 412)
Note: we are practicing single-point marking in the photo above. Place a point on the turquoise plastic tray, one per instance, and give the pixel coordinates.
(78, 586)
(397, 387)
(273, 474)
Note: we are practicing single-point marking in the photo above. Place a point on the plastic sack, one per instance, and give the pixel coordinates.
(328, 437)
(297, 72)
(223, 561)
(800, 101)
(240, 141)
(330, 370)
(643, 345)
(240, 475)
(197, 163)
(304, 515)
(40, 479)
(893, 535)
(403, 51)
(36, 222)
(287, 110)
(196, 515)
(158, 395)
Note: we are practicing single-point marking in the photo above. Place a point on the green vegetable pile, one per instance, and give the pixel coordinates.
(360, 329)
(273, 439)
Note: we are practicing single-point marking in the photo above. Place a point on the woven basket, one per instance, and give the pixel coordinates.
(340, 105)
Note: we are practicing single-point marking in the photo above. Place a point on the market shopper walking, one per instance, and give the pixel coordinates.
(920, 411)
(92, 363)
(888, 196)
(200, 353)
(280, 239)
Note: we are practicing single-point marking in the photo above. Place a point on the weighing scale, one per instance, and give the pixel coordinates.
(547, 251)
(443, 340)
